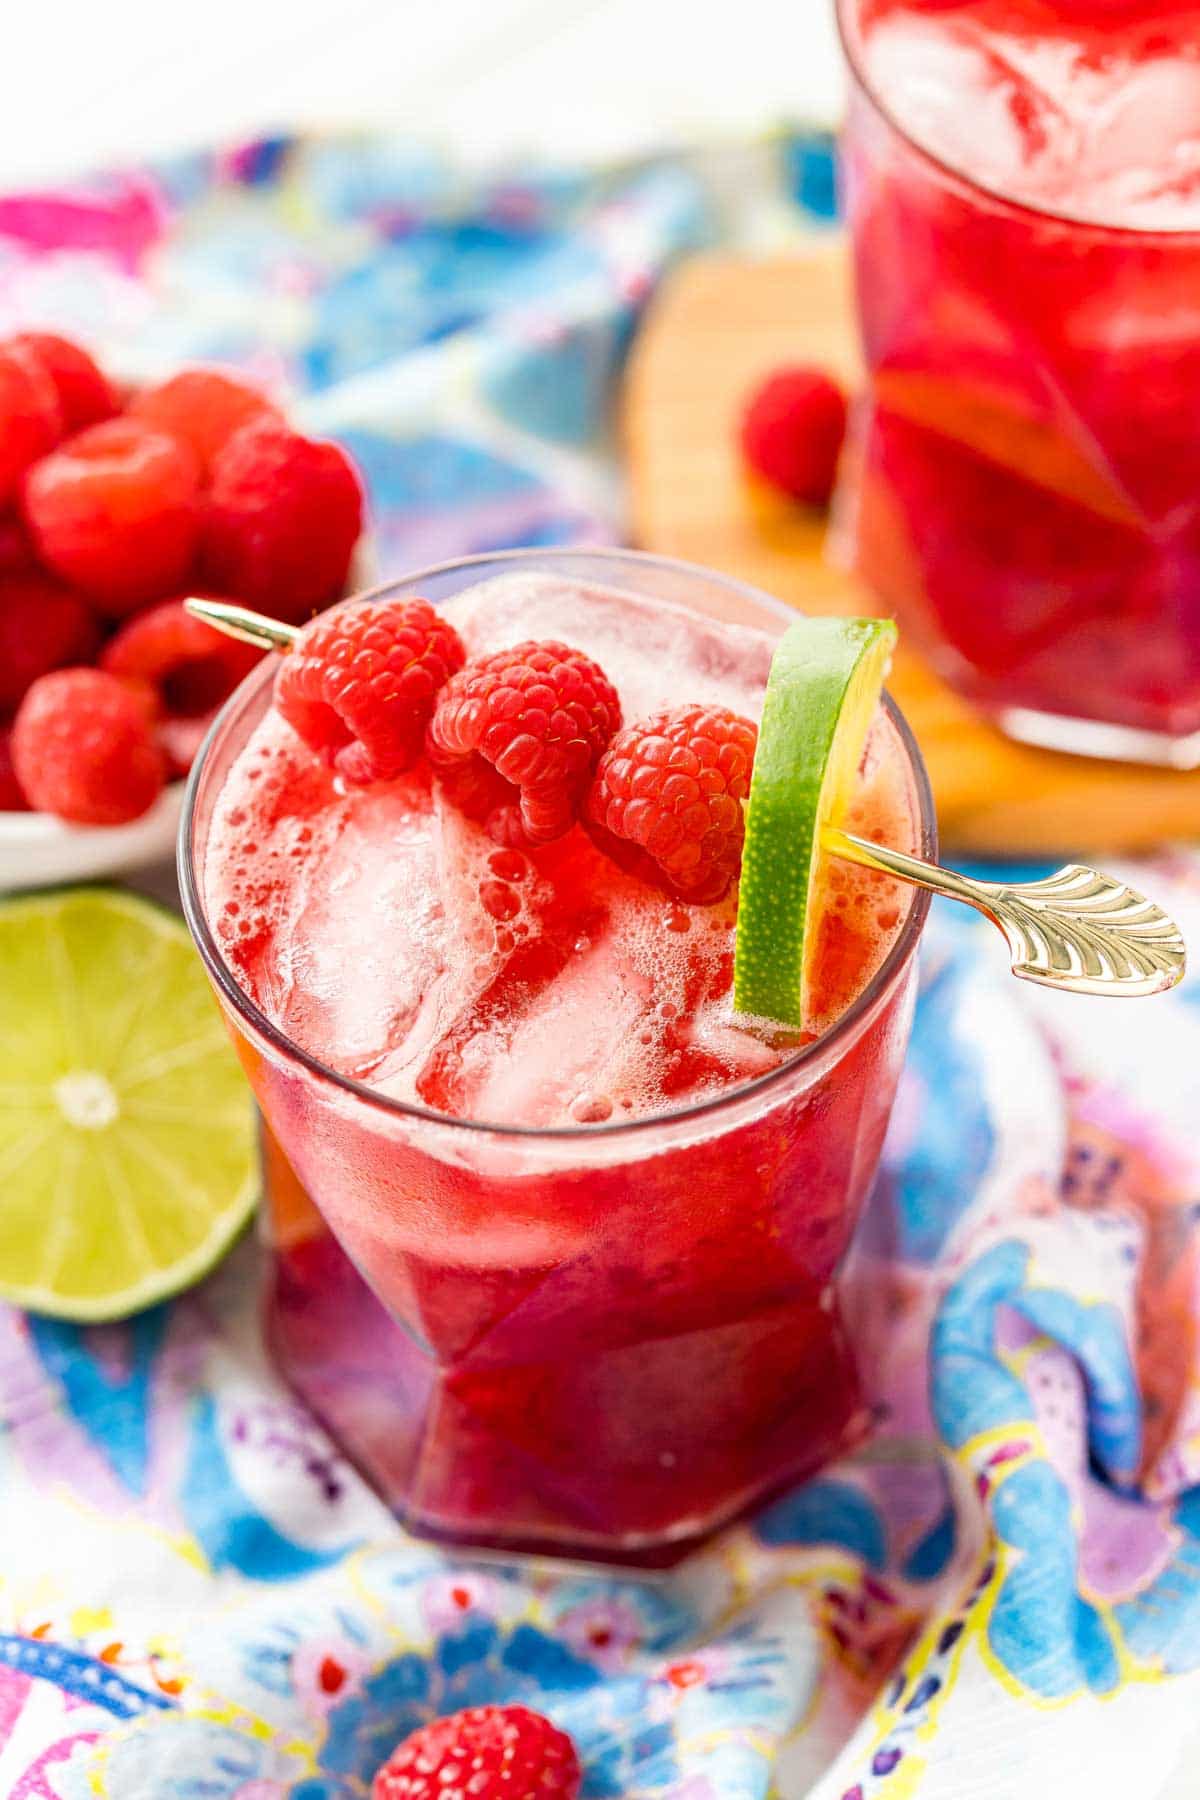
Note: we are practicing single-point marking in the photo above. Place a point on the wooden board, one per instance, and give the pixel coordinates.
(718, 326)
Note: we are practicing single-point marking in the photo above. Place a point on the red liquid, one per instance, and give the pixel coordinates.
(1027, 457)
(599, 1341)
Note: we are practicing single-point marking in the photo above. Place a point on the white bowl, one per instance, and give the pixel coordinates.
(37, 850)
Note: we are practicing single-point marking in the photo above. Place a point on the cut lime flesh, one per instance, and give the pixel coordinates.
(824, 686)
(128, 1145)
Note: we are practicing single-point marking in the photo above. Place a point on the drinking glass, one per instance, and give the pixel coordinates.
(602, 1340)
(1023, 484)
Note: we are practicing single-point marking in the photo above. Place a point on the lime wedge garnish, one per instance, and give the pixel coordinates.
(128, 1156)
(825, 682)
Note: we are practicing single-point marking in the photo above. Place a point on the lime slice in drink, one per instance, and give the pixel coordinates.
(128, 1150)
(825, 682)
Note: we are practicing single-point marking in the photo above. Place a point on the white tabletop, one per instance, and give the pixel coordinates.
(82, 84)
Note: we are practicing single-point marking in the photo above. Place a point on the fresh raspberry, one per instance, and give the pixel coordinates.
(540, 715)
(85, 394)
(17, 555)
(666, 801)
(283, 517)
(114, 512)
(202, 407)
(792, 431)
(192, 668)
(43, 626)
(83, 748)
(488, 1752)
(471, 785)
(361, 682)
(31, 420)
(12, 794)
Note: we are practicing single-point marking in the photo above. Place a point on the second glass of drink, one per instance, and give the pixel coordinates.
(1023, 187)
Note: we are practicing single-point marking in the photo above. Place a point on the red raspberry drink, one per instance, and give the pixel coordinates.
(555, 1237)
(1023, 179)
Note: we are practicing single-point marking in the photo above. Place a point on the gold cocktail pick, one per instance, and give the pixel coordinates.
(240, 622)
(1077, 930)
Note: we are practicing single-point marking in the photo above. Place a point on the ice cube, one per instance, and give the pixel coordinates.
(655, 654)
(985, 103)
(1080, 117)
(370, 904)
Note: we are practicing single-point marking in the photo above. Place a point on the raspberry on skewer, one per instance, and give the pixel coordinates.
(667, 799)
(361, 682)
(539, 716)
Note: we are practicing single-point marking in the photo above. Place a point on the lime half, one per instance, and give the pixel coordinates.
(128, 1155)
(824, 686)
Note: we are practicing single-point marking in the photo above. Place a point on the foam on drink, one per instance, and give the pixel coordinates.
(1082, 108)
(385, 933)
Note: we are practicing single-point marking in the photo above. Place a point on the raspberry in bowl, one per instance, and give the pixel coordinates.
(116, 501)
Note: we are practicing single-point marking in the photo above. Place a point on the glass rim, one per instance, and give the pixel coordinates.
(247, 1009)
(851, 42)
